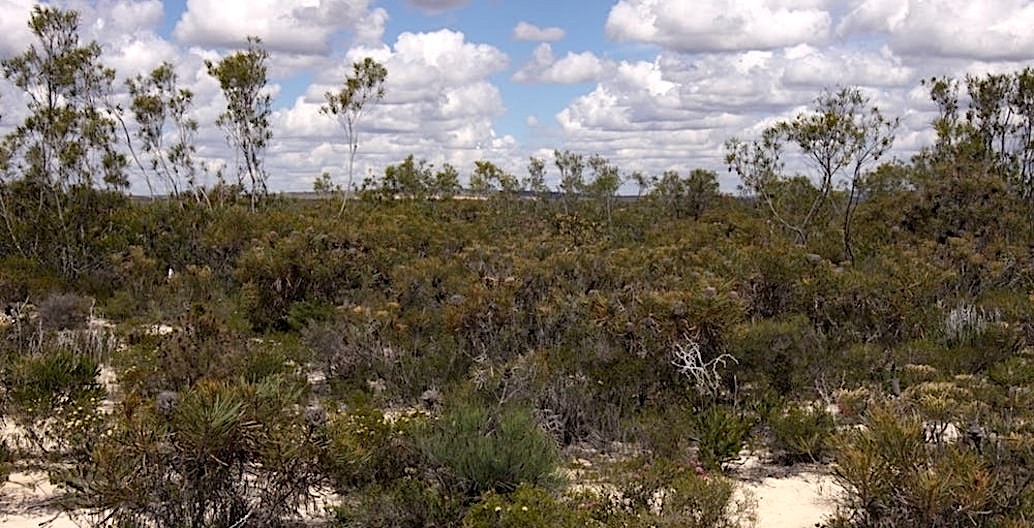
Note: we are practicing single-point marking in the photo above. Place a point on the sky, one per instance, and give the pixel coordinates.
(652, 85)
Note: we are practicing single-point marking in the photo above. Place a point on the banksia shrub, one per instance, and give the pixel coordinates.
(894, 476)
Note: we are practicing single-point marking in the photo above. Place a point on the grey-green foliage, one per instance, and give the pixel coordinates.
(487, 449)
(683, 196)
(488, 177)
(161, 107)
(840, 141)
(995, 133)
(242, 77)
(536, 180)
(410, 179)
(606, 180)
(69, 135)
(571, 167)
(51, 161)
(347, 105)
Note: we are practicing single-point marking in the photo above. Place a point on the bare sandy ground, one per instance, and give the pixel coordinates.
(24, 503)
(797, 501)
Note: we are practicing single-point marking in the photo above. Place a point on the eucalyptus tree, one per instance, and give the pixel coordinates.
(161, 107)
(536, 179)
(682, 196)
(446, 182)
(606, 180)
(489, 177)
(347, 105)
(571, 167)
(242, 78)
(994, 133)
(572, 180)
(840, 141)
(51, 161)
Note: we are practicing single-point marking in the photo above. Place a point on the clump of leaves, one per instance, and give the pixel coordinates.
(720, 432)
(219, 454)
(893, 477)
(483, 449)
(801, 433)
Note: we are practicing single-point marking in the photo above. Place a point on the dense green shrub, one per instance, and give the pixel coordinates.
(788, 355)
(801, 433)
(664, 493)
(201, 345)
(405, 503)
(51, 389)
(484, 449)
(720, 433)
(366, 448)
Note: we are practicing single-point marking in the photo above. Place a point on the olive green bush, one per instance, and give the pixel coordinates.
(526, 507)
(664, 493)
(720, 433)
(801, 433)
(218, 454)
(893, 476)
(410, 502)
(50, 389)
(482, 449)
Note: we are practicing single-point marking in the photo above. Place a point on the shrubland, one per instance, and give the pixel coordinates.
(433, 361)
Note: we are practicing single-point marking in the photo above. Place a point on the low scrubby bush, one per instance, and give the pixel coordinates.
(219, 454)
(483, 449)
(526, 507)
(409, 502)
(64, 311)
(894, 476)
(664, 493)
(801, 433)
(720, 432)
(51, 390)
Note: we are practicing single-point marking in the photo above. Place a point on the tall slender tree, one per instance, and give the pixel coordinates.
(242, 78)
(365, 85)
(159, 105)
(841, 140)
(51, 162)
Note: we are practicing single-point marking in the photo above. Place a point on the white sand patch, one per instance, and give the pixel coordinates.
(25, 502)
(798, 501)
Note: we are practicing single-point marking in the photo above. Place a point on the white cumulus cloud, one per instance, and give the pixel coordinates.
(292, 26)
(986, 30)
(525, 31)
(718, 25)
(572, 68)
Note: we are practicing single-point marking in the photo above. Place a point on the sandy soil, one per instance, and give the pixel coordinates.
(797, 501)
(24, 503)
(795, 497)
